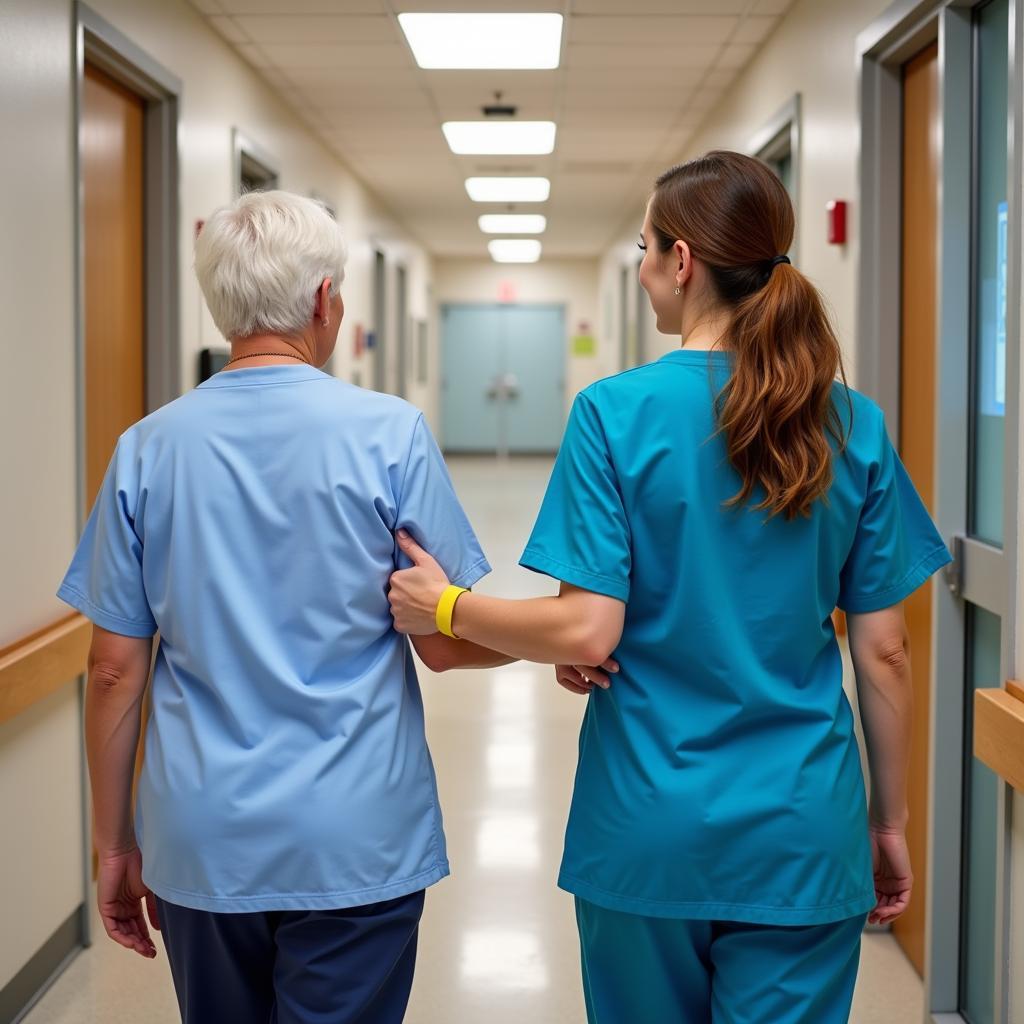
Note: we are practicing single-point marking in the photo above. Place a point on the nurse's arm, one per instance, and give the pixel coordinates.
(880, 647)
(118, 674)
(578, 627)
(441, 653)
(881, 659)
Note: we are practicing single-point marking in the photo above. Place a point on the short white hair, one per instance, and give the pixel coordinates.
(260, 260)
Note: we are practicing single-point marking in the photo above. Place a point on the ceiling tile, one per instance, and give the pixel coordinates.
(735, 56)
(254, 55)
(704, 101)
(333, 101)
(318, 28)
(360, 82)
(754, 30)
(539, 107)
(641, 58)
(614, 119)
(720, 78)
(487, 82)
(596, 145)
(230, 29)
(766, 6)
(637, 80)
(632, 8)
(387, 118)
(338, 55)
(293, 7)
(477, 6)
(656, 31)
(661, 100)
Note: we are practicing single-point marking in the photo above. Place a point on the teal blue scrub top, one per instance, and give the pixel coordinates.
(252, 523)
(719, 777)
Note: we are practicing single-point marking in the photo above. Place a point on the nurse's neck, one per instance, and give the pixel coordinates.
(707, 332)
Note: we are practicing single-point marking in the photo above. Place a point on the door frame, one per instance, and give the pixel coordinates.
(105, 47)
(401, 330)
(379, 299)
(982, 574)
(783, 132)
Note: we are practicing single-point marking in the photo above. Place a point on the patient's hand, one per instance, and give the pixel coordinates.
(583, 678)
(415, 592)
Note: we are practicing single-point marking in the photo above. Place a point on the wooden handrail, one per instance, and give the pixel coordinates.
(38, 665)
(999, 731)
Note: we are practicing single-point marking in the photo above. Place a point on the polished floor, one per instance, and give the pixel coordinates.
(498, 943)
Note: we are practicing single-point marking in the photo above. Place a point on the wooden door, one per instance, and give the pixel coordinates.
(111, 147)
(111, 155)
(920, 188)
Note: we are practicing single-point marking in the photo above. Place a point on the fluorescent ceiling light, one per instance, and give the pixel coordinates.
(513, 223)
(508, 190)
(500, 138)
(514, 250)
(514, 41)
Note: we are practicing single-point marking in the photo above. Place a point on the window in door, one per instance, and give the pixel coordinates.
(255, 168)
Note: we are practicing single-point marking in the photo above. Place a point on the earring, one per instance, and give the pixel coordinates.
(677, 289)
(325, 322)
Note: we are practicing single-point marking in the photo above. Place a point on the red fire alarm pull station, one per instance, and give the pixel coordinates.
(836, 221)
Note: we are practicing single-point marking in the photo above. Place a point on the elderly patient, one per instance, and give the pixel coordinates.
(287, 820)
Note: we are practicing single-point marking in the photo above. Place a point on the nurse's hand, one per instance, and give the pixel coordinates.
(583, 678)
(893, 877)
(415, 592)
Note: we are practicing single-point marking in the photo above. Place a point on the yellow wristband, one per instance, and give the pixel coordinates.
(446, 609)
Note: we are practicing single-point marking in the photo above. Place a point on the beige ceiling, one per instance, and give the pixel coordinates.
(636, 78)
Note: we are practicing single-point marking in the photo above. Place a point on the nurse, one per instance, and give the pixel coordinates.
(716, 506)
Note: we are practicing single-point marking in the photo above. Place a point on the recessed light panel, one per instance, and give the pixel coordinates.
(500, 138)
(508, 190)
(516, 41)
(513, 223)
(514, 250)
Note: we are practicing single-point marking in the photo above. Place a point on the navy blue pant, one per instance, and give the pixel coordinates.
(350, 966)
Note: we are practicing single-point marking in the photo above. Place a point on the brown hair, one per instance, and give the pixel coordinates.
(776, 411)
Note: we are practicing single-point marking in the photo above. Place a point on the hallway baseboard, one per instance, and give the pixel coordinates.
(25, 989)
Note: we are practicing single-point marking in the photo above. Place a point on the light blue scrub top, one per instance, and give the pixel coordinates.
(252, 523)
(719, 776)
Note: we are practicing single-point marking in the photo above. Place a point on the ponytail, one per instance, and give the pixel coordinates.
(777, 411)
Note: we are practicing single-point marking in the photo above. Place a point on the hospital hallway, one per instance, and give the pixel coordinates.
(498, 941)
(499, 230)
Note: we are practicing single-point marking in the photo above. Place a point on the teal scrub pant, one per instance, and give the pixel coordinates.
(655, 970)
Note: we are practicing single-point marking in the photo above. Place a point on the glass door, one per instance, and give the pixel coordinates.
(984, 576)
(979, 143)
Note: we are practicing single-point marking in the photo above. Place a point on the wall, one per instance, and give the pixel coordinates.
(571, 282)
(813, 53)
(41, 878)
(41, 872)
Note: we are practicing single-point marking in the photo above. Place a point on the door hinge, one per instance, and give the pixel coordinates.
(954, 572)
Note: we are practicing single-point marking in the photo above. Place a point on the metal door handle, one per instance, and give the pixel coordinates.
(505, 385)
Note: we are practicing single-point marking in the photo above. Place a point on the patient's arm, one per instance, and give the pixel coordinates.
(441, 653)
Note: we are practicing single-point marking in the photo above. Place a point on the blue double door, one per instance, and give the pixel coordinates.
(503, 381)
